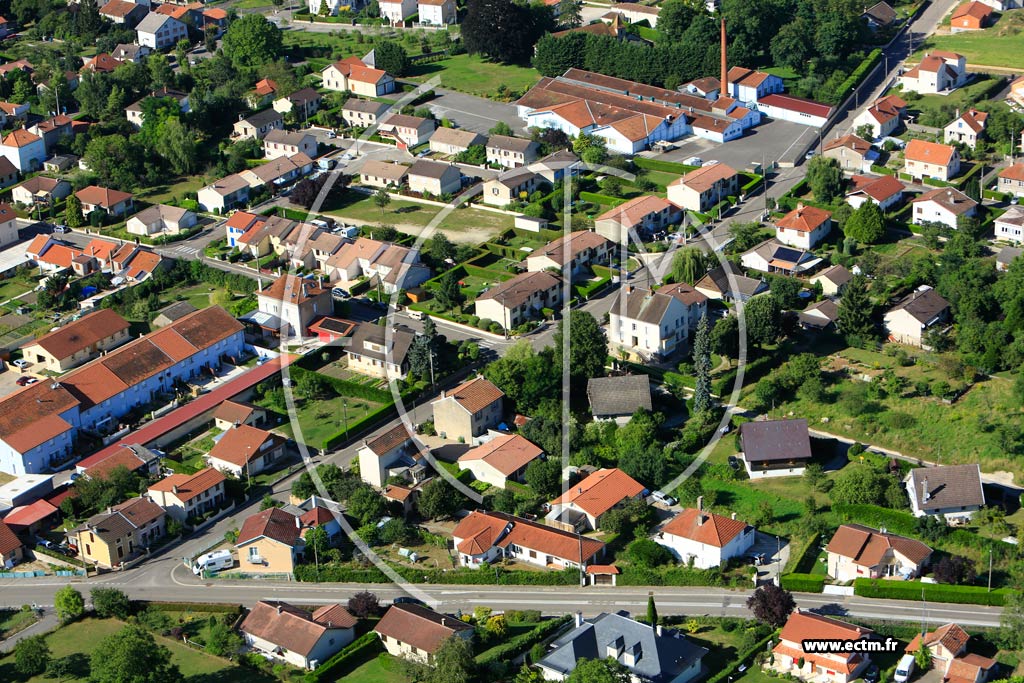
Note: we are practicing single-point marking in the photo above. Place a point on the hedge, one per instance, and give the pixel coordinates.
(882, 170)
(465, 577)
(753, 371)
(754, 181)
(358, 648)
(517, 645)
(858, 74)
(585, 291)
(601, 199)
(904, 523)
(803, 583)
(345, 387)
(933, 592)
(216, 607)
(743, 659)
(935, 182)
(659, 165)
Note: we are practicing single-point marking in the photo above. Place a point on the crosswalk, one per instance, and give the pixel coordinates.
(184, 250)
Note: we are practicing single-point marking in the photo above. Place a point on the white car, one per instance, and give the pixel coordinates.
(21, 363)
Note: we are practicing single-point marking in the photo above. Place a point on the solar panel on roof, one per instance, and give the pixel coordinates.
(786, 254)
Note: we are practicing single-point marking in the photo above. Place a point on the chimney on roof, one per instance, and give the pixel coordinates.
(700, 510)
(725, 68)
(444, 622)
(925, 493)
(578, 619)
(278, 608)
(174, 489)
(298, 523)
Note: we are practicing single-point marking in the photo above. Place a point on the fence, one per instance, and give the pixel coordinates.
(22, 575)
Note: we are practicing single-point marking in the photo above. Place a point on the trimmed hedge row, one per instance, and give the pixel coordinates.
(803, 583)
(743, 659)
(670, 576)
(905, 524)
(602, 199)
(659, 165)
(360, 647)
(524, 641)
(214, 607)
(465, 577)
(753, 370)
(858, 74)
(933, 592)
(347, 388)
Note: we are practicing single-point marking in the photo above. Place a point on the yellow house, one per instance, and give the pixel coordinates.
(124, 531)
(77, 342)
(270, 542)
(468, 411)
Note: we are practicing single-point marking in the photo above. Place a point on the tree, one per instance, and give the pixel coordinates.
(855, 310)
(858, 484)
(588, 347)
(771, 604)
(438, 500)
(161, 74)
(1011, 621)
(599, 671)
(866, 225)
(762, 316)
(954, 569)
(252, 41)
(110, 602)
(441, 248)
(177, 144)
(725, 336)
(132, 656)
(544, 476)
(220, 640)
(364, 604)
(501, 128)
(689, 264)
(31, 655)
(570, 12)
(502, 30)
(825, 178)
(69, 603)
(381, 199)
(453, 662)
(646, 553)
(325, 9)
(590, 148)
(702, 366)
(652, 611)
(391, 57)
(73, 212)
(115, 161)
(449, 294)
(366, 505)
(923, 658)
(675, 18)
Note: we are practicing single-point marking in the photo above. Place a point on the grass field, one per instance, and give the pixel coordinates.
(12, 621)
(160, 194)
(475, 76)
(320, 419)
(82, 638)
(998, 45)
(383, 669)
(15, 286)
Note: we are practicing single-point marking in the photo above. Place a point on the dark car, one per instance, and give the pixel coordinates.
(409, 600)
(871, 675)
(734, 462)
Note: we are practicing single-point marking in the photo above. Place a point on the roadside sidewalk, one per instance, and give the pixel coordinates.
(47, 623)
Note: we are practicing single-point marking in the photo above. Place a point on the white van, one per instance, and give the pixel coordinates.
(904, 669)
(213, 562)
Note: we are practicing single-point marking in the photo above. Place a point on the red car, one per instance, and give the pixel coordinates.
(25, 381)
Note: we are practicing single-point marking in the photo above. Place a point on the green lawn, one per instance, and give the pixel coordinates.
(83, 636)
(320, 419)
(15, 286)
(998, 45)
(383, 669)
(161, 194)
(937, 105)
(475, 76)
(12, 621)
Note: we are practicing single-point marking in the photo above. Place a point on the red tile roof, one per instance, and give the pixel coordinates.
(102, 196)
(476, 394)
(601, 491)
(797, 104)
(27, 515)
(122, 457)
(81, 334)
(288, 627)
(714, 530)
(189, 485)
(9, 541)
(507, 453)
(20, 138)
(418, 626)
(866, 546)
(239, 445)
(272, 523)
(804, 219)
(806, 625)
(929, 152)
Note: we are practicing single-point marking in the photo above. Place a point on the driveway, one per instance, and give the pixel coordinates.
(776, 553)
(473, 113)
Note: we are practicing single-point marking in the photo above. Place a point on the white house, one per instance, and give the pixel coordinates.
(938, 71)
(803, 227)
(654, 323)
(352, 75)
(966, 128)
(923, 159)
(500, 460)
(286, 143)
(514, 302)
(772, 256)
(414, 632)
(491, 536)
(953, 491)
(23, 149)
(747, 85)
(883, 116)
(909, 320)
(380, 456)
(160, 219)
(437, 12)
(244, 450)
(775, 448)
(885, 190)
(857, 552)
(228, 193)
(184, 496)
(702, 188)
(944, 205)
(571, 254)
(704, 538)
(583, 505)
(160, 32)
(397, 11)
(1010, 225)
(283, 632)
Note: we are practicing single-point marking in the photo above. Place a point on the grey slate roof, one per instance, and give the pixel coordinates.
(828, 312)
(718, 279)
(172, 312)
(950, 486)
(924, 305)
(658, 658)
(262, 118)
(612, 396)
(365, 106)
(775, 440)
(376, 334)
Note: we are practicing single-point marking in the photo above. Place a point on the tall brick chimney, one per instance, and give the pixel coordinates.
(725, 65)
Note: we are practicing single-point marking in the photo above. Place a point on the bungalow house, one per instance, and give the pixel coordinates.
(380, 456)
(820, 315)
(584, 504)
(945, 205)
(39, 189)
(295, 303)
(953, 491)
(853, 154)
(103, 63)
(788, 656)
(772, 256)
(256, 126)
(654, 323)
(382, 352)
(910, 319)
(284, 143)
(1011, 180)
(1010, 225)
(414, 632)
(437, 12)
(185, 496)
(556, 166)
(857, 551)
(244, 450)
(803, 227)
(434, 178)
(291, 634)
(278, 172)
(947, 646)
(705, 539)
(728, 283)
(303, 103)
(124, 13)
(647, 652)
(883, 116)
(23, 149)
(966, 128)
(362, 113)
(453, 141)
(833, 280)
(352, 75)
(160, 32)
(397, 11)
(110, 202)
(884, 190)
(971, 16)
(571, 254)
(509, 152)
(270, 542)
(77, 342)
(487, 537)
(131, 52)
(500, 460)
(263, 93)
(12, 550)
(408, 131)
(383, 174)
(643, 215)
(234, 413)
(109, 538)
(510, 186)
(468, 411)
(775, 448)
(879, 15)
(134, 458)
(161, 219)
(618, 398)
(702, 188)
(937, 72)
(524, 297)
(228, 193)
(715, 129)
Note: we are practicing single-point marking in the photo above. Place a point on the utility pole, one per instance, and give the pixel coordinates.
(344, 412)
(990, 569)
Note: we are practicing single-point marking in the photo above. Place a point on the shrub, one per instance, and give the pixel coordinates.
(932, 592)
(804, 583)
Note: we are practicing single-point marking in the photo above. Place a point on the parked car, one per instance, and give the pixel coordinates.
(663, 498)
(871, 675)
(21, 363)
(339, 293)
(61, 228)
(25, 381)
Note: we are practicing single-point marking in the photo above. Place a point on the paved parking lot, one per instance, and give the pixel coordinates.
(8, 381)
(473, 113)
(772, 141)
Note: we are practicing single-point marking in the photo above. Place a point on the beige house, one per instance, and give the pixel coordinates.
(643, 215)
(468, 410)
(40, 189)
(947, 646)
(852, 153)
(382, 174)
(511, 186)
(883, 116)
(909, 320)
(244, 450)
(295, 303)
(270, 542)
(803, 227)
(1011, 180)
(286, 143)
(414, 632)
(376, 351)
(500, 460)
(382, 455)
(362, 113)
(407, 130)
(77, 342)
(454, 140)
(161, 219)
(572, 254)
(524, 297)
(233, 413)
(922, 159)
(434, 178)
(184, 496)
(966, 128)
(256, 126)
(833, 280)
(788, 655)
(352, 75)
(108, 539)
(857, 552)
(702, 188)
(510, 152)
(291, 634)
